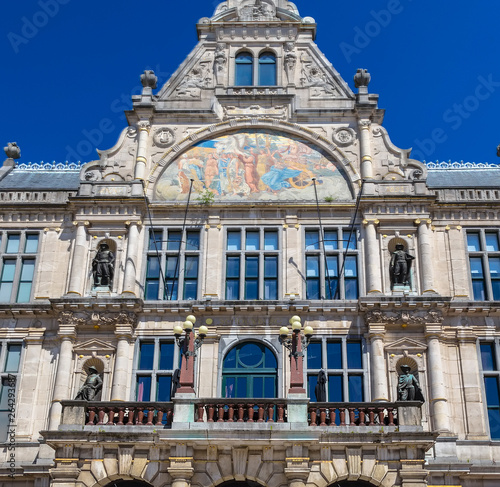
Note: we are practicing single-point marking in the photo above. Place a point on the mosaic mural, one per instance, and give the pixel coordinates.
(254, 165)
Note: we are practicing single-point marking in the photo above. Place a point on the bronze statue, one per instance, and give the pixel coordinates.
(103, 266)
(408, 386)
(91, 387)
(498, 151)
(400, 266)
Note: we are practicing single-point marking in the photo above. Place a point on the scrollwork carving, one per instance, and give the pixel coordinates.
(404, 317)
(83, 318)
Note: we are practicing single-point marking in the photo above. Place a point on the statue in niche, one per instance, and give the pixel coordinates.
(103, 266)
(408, 386)
(91, 387)
(400, 266)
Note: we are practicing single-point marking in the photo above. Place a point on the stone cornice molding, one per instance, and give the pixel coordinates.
(404, 317)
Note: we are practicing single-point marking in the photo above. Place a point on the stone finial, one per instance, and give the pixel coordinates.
(362, 78)
(148, 80)
(12, 150)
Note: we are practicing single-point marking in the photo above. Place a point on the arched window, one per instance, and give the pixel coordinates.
(250, 370)
(244, 69)
(267, 69)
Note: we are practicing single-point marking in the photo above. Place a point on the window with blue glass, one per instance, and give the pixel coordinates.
(10, 361)
(244, 69)
(156, 360)
(344, 363)
(484, 264)
(250, 369)
(267, 69)
(331, 264)
(491, 376)
(252, 264)
(172, 264)
(19, 252)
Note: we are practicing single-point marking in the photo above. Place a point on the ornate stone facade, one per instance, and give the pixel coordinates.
(253, 191)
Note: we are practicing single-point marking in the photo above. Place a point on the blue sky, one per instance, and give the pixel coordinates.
(68, 74)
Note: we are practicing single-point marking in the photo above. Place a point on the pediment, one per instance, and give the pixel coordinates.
(408, 344)
(94, 345)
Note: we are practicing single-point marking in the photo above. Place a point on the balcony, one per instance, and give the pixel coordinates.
(214, 413)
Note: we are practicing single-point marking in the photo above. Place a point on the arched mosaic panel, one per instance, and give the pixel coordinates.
(254, 165)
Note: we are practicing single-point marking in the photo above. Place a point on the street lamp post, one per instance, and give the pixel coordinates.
(296, 344)
(188, 345)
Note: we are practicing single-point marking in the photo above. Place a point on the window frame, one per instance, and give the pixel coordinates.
(261, 253)
(19, 257)
(495, 343)
(342, 255)
(345, 371)
(155, 372)
(256, 63)
(5, 378)
(183, 253)
(484, 255)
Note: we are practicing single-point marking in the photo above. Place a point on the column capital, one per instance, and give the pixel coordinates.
(433, 331)
(35, 335)
(144, 125)
(371, 222)
(364, 124)
(376, 330)
(181, 468)
(67, 331)
(124, 331)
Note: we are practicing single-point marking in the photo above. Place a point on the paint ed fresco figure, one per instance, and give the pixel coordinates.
(91, 387)
(400, 266)
(255, 165)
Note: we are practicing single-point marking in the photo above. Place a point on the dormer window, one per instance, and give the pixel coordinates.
(262, 72)
(267, 69)
(244, 69)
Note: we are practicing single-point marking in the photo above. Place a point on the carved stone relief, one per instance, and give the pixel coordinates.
(163, 137)
(220, 62)
(290, 61)
(314, 78)
(278, 111)
(405, 317)
(344, 136)
(85, 318)
(258, 10)
(199, 78)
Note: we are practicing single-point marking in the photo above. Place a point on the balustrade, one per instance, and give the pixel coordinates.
(352, 414)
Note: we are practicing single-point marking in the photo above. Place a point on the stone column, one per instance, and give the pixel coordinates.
(425, 254)
(380, 387)
(472, 381)
(120, 373)
(142, 146)
(26, 414)
(130, 275)
(438, 400)
(63, 374)
(79, 267)
(365, 148)
(373, 273)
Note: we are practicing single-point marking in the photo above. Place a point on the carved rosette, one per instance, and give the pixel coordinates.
(88, 318)
(163, 137)
(344, 136)
(404, 317)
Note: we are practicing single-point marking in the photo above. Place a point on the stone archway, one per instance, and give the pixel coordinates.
(351, 483)
(128, 483)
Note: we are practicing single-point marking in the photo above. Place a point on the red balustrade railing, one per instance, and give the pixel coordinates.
(240, 410)
(124, 413)
(352, 414)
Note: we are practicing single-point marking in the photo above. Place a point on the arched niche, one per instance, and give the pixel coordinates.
(128, 483)
(352, 483)
(268, 161)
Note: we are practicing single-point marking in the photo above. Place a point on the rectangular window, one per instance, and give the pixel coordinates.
(18, 265)
(344, 363)
(331, 267)
(484, 264)
(156, 361)
(252, 264)
(10, 363)
(172, 267)
(491, 377)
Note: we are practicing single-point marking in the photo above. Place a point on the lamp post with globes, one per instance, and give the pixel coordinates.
(296, 344)
(188, 345)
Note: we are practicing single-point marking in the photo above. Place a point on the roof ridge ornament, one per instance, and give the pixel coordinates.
(460, 165)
